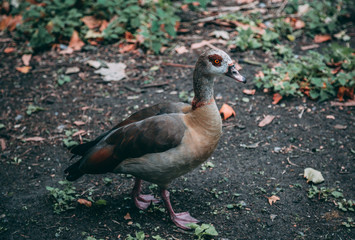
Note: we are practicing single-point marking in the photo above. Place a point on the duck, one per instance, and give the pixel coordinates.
(163, 142)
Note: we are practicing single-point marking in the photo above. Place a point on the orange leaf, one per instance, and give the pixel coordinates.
(79, 123)
(3, 144)
(24, 69)
(34, 139)
(80, 132)
(128, 36)
(344, 91)
(127, 217)
(10, 22)
(322, 38)
(277, 98)
(299, 24)
(91, 22)
(267, 120)
(184, 7)
(75, 42)
(273, 199)
(9, 50)
(126, 47)
(103, 26)
(26, 58)
(85, 202)
(226, 111)
(336, 70)
(249, 92)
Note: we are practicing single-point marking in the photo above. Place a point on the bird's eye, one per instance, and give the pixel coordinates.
(216, 61)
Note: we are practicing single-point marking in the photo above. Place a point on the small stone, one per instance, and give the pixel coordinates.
(245, 99)
(18, 117)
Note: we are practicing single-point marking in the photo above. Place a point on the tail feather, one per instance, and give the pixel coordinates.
(73, 171)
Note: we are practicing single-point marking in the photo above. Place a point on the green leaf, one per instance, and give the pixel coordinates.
(101, 202)
(211, 231)
(41, 38)
(337, 194)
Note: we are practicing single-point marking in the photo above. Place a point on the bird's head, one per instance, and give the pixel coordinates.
(217, 62)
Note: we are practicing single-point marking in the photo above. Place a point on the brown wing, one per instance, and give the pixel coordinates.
(152, 135)
(155, 110)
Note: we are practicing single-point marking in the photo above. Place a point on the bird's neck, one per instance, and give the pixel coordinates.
(203, 89)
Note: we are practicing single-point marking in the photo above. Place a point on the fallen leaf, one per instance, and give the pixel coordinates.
(208, 43)
(91, 22)
(10, 22)
(68, 50)
(322, 38)
(249, 91)
(313, 175)
(34, 139)
(303, 9)
(226, 111)
(24, 69)
(103, 26)
(344, 91)
(126, 47)
(220, 34)
(277, 98)
(336, 70)
(181, 50)
(93, 63)
(72, 70)
(3, 144)
(79, 123)
(26, 58)
(127, 217)
(75, 42)
(340, 127)
(273, 199)
(85, 202)
(267, 120)
(244, 26)
(9, 50)
(308, 47)
(92, 34)
(114, 72)
(80, 132)
(299, 24)
(184, 7)
(330, 117)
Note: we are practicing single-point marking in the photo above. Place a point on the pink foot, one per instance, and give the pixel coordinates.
(183, 219)
(143, 201)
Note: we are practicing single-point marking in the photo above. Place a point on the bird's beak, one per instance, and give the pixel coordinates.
(234, 74)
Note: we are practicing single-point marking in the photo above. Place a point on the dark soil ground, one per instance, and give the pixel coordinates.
(250, 163)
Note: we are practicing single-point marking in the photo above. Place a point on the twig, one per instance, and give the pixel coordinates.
(177, 65)
(232, 9)
(282, 7)
(155, 85)
(235, 9)
(291, 163)
(251, 62)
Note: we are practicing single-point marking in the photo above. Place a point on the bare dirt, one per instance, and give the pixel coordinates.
(250, 163)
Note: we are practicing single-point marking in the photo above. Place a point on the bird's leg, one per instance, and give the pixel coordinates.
(180, 219)
(142, 201)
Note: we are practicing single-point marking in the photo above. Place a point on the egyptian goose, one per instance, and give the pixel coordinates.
(160, 143)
